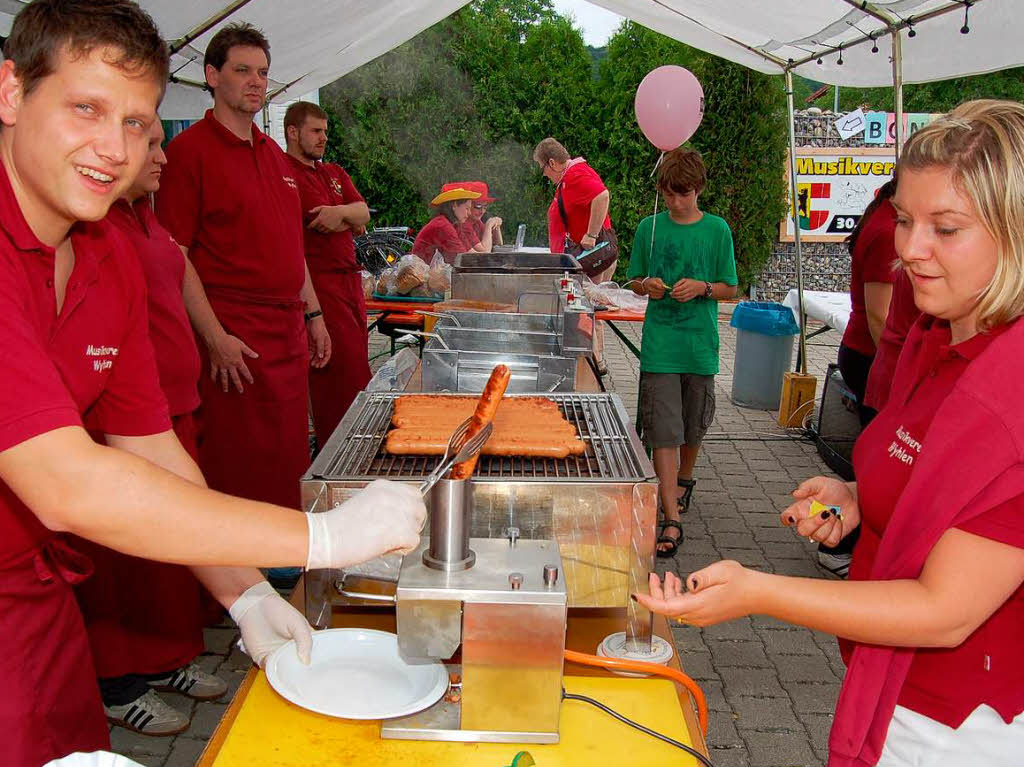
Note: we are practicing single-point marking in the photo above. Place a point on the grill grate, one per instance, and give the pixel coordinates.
(610, 455)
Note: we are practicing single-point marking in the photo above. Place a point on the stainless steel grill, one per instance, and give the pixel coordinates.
(611, 454)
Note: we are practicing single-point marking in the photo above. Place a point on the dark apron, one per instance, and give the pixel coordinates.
(50, 702)
(256, 444)
(333, 388)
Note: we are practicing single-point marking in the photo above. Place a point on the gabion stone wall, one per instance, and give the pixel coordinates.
(826, 265)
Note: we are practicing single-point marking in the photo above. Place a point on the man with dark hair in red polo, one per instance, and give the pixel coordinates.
(229, 197)
(79, 87)
(332, 209)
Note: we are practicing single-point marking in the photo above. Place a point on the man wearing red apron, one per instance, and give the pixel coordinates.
(228, 195)
(79, 87)
(144, 618)
(332, 208)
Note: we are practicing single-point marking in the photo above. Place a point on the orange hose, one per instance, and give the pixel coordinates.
(656, 669)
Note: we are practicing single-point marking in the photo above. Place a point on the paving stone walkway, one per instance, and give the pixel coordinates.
(771, 687)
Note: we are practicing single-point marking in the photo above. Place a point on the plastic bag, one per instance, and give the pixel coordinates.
(440, 278)
(386, 282)
(411, 272)
(369, 284)
(611, 295)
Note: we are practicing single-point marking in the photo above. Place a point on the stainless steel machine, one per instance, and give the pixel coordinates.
(545, 345)
(531, 538)
(504, 603)
(467, 345)
(600, 507)
(504, 277)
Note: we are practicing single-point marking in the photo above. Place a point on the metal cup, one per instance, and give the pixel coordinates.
(450, 503)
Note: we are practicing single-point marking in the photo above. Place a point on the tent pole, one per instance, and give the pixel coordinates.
(795, 213)
(897, 88)
(206, 26)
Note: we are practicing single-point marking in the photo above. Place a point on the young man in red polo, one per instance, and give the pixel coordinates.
(229, 197)
(79, 87)
(332, 209)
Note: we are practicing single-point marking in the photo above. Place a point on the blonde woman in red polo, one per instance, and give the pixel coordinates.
(930, 619)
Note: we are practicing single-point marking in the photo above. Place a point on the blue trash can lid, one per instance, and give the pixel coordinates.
(764, 317)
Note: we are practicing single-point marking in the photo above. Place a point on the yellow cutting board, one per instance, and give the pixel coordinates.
(271, 732)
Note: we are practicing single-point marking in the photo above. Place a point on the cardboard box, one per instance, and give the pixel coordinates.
(797, 402)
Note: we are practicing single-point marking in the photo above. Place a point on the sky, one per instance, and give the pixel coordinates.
(597, 23)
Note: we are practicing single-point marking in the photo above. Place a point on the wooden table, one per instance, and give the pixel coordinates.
(586, 628)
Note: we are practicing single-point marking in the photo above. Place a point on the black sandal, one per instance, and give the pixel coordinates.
(687, 485)
(662, 538)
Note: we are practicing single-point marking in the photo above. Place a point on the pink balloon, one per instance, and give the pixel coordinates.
(669, 106)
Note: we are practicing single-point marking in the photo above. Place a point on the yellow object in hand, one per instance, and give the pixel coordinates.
(817, 508)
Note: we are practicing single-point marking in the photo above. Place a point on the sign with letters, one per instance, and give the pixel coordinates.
(834, 185)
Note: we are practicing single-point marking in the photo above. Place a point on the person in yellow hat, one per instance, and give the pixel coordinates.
(442, 232)
(483, 234)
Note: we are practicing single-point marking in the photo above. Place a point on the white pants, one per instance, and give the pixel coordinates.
(983, 740)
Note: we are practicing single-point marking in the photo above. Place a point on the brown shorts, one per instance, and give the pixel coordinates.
(676, 408)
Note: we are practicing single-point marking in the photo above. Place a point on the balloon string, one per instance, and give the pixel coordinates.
(657, 165)
(654, 217)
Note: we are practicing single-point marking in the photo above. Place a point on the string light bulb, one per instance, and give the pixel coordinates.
(874, 45)
(911, 32)
(840, 60)
(820, 62)
(965, 29)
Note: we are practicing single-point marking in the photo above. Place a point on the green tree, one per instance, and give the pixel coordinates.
(939, 96)
(742, 139)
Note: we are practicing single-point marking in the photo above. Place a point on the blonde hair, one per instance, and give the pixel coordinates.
(981, 143)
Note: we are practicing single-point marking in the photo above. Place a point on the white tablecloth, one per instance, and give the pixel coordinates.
(831, 308)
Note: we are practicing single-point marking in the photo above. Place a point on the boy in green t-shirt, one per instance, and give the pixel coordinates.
(683, 259)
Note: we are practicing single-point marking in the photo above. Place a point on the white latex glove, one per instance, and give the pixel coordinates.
(384, 517)
(267, 621)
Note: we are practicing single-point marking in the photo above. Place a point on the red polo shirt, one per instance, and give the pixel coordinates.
(903, 313)
(163, 264)
(235, 206)
(578, 188)
(326, 184)
(93, 362)
(943, 684)
(472, 231)
(440, 234)
(874, 260)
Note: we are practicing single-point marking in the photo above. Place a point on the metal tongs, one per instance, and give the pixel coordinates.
(459, 449)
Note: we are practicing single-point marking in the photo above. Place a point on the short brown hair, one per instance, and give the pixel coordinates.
(300, 111)
(550, 149)
(681, 171)
(46, 28)
(231, 36)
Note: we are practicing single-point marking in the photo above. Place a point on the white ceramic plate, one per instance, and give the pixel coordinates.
(356, 674)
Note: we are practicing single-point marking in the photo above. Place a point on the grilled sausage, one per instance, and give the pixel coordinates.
(486, 409)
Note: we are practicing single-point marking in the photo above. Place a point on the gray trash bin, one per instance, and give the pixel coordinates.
(764, 351)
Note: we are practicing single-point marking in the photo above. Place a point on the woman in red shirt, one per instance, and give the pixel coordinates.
(872, 273)
(930, 618)
(443, 234)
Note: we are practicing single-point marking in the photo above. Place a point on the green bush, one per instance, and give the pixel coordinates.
(470, 98)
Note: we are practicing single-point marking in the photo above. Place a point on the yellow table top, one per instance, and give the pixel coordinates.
(271, 732)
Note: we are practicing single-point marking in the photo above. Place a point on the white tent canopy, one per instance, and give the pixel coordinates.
(749, 31)
(314, 42)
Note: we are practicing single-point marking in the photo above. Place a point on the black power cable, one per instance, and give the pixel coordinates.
(636, 725)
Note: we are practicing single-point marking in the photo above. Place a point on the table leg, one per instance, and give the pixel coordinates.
(622, 336)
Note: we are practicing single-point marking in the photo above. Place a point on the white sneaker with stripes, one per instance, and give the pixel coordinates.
(192, 681)
(148, 715)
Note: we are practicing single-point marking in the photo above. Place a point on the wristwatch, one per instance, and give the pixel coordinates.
(707, 290)
(313, 315)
